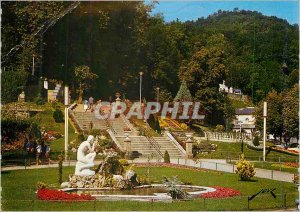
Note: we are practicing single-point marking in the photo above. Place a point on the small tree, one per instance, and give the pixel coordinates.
(244, 169)
(166, 157)
(256, 141)
(84, 78)
(58, 116)
(219, 128)
(157, 126)
(60, 162)
(183, 93)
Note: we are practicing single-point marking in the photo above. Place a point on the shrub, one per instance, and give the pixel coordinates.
(219, 128)
(173, 190)
(157, 126)
(244, 169)
(60, 163)
(184, 126)
(39, 100)
(94, 132)
(151, 121)
(58, 116)
(256, 141)
(41, 185)
(124, 162)
(166, 157)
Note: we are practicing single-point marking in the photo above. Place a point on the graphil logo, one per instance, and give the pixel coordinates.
(182, 110)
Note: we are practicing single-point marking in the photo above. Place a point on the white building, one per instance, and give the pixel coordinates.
(244, 120)
(224, 88)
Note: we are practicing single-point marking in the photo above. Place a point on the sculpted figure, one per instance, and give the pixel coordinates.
(85, 157)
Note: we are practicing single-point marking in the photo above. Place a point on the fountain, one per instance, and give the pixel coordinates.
(114, 181)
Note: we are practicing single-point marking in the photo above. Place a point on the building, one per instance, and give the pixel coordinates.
(244, 120)
(224, 88)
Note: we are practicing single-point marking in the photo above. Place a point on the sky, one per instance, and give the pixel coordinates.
(192, 10)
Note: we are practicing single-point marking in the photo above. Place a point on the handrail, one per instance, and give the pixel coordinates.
(175, 142)
(127, 122)
(112, 135)
(154, 144)
(108, 124)
(75, 121)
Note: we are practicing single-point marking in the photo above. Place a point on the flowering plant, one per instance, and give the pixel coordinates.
(221, 192)
(52, 194)
(288, 151)
(126, 129)
(244, 169)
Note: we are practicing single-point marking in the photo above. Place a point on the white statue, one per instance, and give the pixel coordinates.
(86, 160)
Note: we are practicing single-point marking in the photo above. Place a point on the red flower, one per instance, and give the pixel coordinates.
(51, 194)
(221, 192)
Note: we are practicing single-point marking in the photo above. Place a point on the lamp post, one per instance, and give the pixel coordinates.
(141, 74)
(157, 98)
(66, 102)
(265, 130)
(241, 140)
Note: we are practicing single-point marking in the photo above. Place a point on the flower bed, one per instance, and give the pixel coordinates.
(51, 194)
(287, 151)
(171, 165)
(221, 192)
(288, 165)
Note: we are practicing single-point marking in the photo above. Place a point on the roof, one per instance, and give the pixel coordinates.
(245, 111)
(244, 126)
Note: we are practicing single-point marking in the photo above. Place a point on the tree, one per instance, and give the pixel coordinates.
(166, 157)
(21, 30)
(256, 141)
(275, 116)
(229, 113)
(183, 94)
(85, 79)
(291, 113)
(12, 84)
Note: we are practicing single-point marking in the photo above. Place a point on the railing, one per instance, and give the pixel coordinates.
(175, 142)
(112, 135)
(75, 121)
(153, 143)
(127, 122)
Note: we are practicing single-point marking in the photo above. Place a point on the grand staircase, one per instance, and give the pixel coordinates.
(141, 146)
(85, 118)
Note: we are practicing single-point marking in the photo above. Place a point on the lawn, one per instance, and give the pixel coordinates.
(19, 187)
(275, 166)
(232, 151)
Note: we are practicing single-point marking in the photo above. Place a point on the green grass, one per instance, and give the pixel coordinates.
(233, 151)
(19, 187)
(270, 166)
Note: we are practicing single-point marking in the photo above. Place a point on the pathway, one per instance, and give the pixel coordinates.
(218, 165)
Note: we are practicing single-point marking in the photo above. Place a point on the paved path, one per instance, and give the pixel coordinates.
(211, 164)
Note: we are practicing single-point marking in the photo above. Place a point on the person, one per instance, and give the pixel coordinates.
(85, 105)
(47, 154)
(91, 103)
(38, 153)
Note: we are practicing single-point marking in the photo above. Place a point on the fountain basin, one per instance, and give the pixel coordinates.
(153, 192)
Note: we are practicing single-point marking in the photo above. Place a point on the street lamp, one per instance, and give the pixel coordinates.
(157, 98)
(66, 103)
(241, 140)
(141, 74)
(265, 130)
